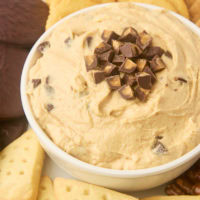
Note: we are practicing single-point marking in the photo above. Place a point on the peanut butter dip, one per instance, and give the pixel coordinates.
(96, 125)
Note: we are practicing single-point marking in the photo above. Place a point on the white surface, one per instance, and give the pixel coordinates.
(53, 171)
(129, 180)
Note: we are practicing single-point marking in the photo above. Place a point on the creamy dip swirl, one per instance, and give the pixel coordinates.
(97, 126)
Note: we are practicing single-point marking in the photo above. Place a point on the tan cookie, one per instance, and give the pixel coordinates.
(46, 189)
(189, 2)
(62, 8)
(71, 189)
(194, 11)
(181, 7)
(20, 168)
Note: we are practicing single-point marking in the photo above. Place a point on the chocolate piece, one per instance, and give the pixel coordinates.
(106, 57)
(49, 107)
(168, 54)
(116, 45)
(98, 76)
(129, 50)
(102, 47)
(22, 22)
(157, 64)
(89, 40)
(128, 66)
(129, 35)
(110, 69)
(68, 42)
(144, 40)
(114, 82)
(36, 82)
(151, 52)
(126, 92)
(129, 79)
(141, 94)
(11, 130)
(180, 79)
(159, 137)
(159, 148)
(148, 71)
(43, 46)
(144, 80)
(108, 36)
(11, 63)
(91, 62)
(118, 59)
(141, 64)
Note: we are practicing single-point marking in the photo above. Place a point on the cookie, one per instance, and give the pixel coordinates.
(21, 165)
(11, 63)
(181, 7)
(189, 2)
(72, 189)
(11, 130)
(62, 8)
(194, 11)
(22, 22)
(46, 189)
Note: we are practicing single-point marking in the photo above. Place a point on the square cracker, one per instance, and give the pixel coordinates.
(46, 189)
(72, 189)
(20, 168)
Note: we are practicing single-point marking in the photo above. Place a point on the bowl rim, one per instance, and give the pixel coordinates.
(48, 143)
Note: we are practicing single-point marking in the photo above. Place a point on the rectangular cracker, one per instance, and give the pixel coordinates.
(71, 189)
(20, 168)
(46, 189)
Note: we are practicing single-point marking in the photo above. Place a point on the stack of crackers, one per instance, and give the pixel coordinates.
(62, 8)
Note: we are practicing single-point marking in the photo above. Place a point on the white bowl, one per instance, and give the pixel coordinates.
(126, 180)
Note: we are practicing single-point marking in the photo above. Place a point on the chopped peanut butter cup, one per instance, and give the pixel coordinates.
(114, 82)
(126, 92)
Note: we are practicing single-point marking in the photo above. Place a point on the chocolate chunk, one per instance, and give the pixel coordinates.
(126, 92)
(11, 130)
(159, 148)
(102, 47)
(129, 35)
(151, 52)
(141, 64)
(129, 79)
(114, 82)
(116, 45)
(106, 57)
(11, 63)
(110, 69)
(108, 36)
(118, 59)
(144, 80)
(149, 71)
(36, 82)
(49, 107)
(157, 64)
(68, 42)
(180, 79)
(91, 62)
(22, 22)
(128, 66)
(98, 76)
(159, 137)
(144, 40)
(168, 54)
(129, 50)
(141, 94)
(43, 46)
(89, 40)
